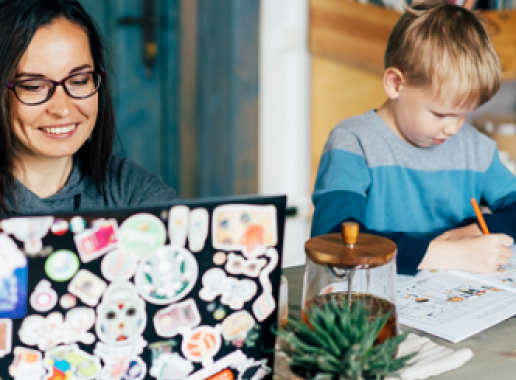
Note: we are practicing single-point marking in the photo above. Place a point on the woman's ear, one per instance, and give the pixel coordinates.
(392, 82)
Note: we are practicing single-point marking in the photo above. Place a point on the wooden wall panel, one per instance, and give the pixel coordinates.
(339, 91)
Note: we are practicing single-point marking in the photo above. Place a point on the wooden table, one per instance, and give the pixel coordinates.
(494, 349)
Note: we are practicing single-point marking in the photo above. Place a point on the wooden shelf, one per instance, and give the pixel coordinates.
(356, 34)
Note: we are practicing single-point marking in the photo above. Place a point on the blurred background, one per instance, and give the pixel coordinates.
(223, 97)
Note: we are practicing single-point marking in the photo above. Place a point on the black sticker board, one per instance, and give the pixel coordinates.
(187, 291)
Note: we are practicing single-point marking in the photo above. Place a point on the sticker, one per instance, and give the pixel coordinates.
(159, 348)
(181, 316)
(87, 287)
(142, 234)
(219, 314)
(62, 265)
(198, 227)
(94, 242)
(234, 292)
(201, 344)
(239, 265)
(53, 330)
(77, 224)
(67, 301)
(59, 227)
(265, 304)
(6, 336)
(119, 367)
(252, 369)
(121, 362)
(247, 228)
(70, 362)
(166, 276)
(178, 225)
(226, 374)
(28, 230)
(131, 349)
(237, 325)
(121, 314)
(219, 258)
(170, 366)
(13, 280)
(27, 364)
(44, 298)
(211, 306)
(232, 359)
(119, 265)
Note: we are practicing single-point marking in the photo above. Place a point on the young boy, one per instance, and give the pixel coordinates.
(408, 170)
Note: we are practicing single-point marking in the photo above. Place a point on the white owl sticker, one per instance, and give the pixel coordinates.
(121, 315)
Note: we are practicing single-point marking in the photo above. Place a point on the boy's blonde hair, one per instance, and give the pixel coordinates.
(439, 44)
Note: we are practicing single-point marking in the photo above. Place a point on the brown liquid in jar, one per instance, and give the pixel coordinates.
(373, 304)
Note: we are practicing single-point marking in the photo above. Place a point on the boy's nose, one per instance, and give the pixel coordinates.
(453, 127)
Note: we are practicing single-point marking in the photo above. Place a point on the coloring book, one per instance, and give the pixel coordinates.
(456, 305)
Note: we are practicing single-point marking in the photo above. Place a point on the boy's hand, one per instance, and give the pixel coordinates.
(478, 254)
(462, 232)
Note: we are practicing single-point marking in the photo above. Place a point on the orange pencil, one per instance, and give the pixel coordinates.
(480, 218)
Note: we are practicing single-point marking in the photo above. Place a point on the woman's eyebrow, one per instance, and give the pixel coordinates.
(37, 75)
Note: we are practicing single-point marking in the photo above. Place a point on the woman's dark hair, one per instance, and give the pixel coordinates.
(19, 21)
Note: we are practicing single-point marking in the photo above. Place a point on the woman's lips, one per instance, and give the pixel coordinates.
(61, 132)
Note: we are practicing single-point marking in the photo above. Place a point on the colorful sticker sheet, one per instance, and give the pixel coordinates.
(184, 292)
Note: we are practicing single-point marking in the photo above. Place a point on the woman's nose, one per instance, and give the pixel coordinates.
(60, 104)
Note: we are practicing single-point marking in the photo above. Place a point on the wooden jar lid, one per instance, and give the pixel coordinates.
(360, 250)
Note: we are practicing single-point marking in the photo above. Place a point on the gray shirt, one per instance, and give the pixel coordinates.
(127, 184)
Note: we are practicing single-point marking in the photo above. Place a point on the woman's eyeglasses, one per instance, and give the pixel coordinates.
(37, 91)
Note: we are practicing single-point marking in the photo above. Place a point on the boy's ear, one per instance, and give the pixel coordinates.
(393, 81)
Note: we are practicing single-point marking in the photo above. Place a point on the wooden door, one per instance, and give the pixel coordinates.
(143, 50)
(200, 133)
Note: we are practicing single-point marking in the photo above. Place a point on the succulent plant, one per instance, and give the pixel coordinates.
(340, 342)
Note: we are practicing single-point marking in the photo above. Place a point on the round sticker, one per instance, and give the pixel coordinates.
(219, 258)
(142, 234)
(77, 224)
(166, 276)
(219, 313)
(119, 265)
(67, 301)
(62, 265)
(44, 298)
(59, 227)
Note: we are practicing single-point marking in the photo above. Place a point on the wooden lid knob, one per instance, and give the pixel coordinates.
(350, 233)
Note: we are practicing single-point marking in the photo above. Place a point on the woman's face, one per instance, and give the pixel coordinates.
(57, 128)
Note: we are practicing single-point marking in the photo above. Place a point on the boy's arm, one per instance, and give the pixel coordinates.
(500, 195)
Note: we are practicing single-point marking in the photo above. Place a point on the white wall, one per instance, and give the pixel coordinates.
(284, 146)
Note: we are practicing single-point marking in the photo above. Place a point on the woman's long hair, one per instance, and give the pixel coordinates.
(19, 21)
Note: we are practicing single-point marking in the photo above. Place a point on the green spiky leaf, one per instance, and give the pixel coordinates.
(340, 342)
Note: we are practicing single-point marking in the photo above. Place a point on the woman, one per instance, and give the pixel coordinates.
(56, 116)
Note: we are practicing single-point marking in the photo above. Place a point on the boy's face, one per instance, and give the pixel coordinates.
(422, 117)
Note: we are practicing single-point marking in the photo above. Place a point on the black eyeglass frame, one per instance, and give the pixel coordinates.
(56, 83)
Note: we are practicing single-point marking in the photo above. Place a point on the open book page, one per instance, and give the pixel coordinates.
(452, 307)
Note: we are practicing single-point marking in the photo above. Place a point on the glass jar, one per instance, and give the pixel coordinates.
(351, 267)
